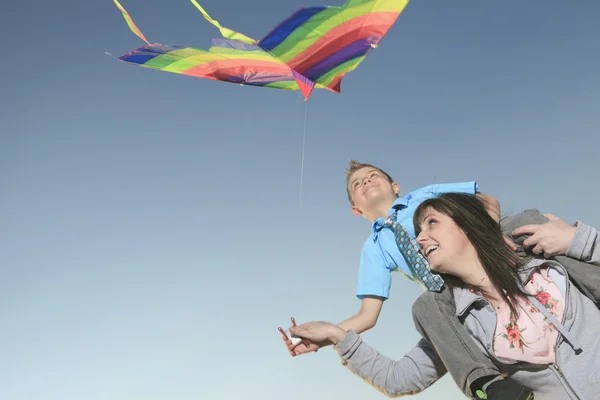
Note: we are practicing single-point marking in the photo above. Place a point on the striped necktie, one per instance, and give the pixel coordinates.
(414, 259)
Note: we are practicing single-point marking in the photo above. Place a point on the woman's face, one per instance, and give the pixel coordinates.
(444, 244)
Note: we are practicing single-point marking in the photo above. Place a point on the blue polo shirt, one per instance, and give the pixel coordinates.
(380, 254)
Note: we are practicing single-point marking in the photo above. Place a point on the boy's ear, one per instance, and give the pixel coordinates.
(356, 211)
(396, 188)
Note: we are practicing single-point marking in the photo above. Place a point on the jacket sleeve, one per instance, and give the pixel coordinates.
(417, 370)
(585, 245)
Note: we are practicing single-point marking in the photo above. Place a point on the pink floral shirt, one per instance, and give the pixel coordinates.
(531, 337)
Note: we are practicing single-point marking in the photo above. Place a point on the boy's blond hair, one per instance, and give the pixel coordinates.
(354, 166)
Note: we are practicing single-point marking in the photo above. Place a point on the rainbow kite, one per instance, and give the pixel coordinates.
(313, 48)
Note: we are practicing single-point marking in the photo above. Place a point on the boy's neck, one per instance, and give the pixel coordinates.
(381, 211)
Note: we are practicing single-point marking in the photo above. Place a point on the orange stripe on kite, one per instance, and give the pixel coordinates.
(245, 68)
(374, 24)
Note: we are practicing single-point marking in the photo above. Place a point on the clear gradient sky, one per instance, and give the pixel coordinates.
(152, 234)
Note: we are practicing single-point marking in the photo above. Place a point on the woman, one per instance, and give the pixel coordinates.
(524, 314)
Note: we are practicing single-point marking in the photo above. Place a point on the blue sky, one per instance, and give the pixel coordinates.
(153, 236)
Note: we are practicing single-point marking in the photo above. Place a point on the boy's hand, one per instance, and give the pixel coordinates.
(301, 348)
(510, 243)
(304, 346)
(319, 332)
(551, 238)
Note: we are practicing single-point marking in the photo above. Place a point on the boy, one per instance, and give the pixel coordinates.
(374, 195)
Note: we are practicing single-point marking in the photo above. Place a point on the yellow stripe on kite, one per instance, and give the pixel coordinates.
(132, 26)
(226, 32)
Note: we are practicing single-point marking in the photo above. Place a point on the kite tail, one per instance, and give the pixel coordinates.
(226, 32)
(132, 26)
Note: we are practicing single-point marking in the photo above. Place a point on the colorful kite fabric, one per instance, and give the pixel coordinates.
(313, 48)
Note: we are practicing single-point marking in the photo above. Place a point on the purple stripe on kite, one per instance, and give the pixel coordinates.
(283, 30)
(234, 44)
(353, 50)
(147, 53)
(270, 78)
(232, 79)
(302, 78)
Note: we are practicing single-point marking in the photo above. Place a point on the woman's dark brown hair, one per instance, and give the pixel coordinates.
(498, 260)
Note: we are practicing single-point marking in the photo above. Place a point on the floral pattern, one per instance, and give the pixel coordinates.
(547, 300)
(530, 336)
(513, 334)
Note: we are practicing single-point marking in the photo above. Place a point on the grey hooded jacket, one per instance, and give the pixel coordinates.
(574, 375)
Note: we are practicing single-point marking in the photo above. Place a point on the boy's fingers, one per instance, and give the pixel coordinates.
(294, 325)
(291, 346)
(510, 243)
(538, 249)
(287, 340)
(526, 229)
(530, 241)
(294, 330)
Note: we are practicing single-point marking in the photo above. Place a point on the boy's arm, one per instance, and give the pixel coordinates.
(585, 245)
(365, 319)
(374, 282)
(367, 316)
(555, 237)
(492, 205)
(373, 289)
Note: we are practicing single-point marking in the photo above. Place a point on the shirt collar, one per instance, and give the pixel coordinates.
(464, 298)
(399, 204)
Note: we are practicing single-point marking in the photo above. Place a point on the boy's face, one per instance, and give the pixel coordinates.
(369, 189)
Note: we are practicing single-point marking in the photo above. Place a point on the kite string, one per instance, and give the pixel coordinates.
(303, 146)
